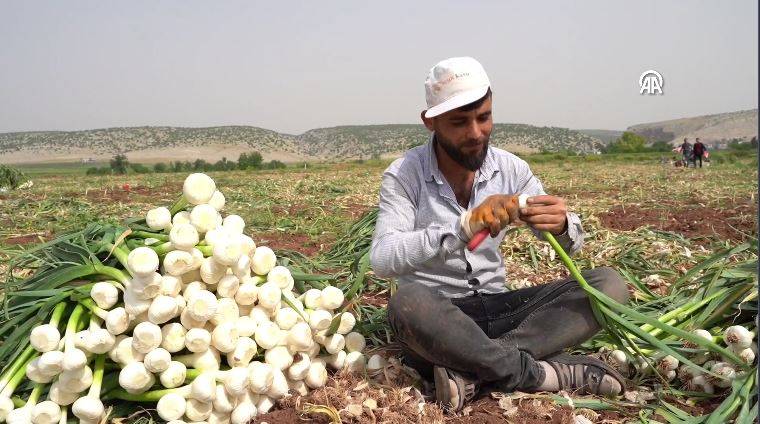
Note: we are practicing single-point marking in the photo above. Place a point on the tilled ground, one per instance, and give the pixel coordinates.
(391, 396)
(736, 222)
(308, 211)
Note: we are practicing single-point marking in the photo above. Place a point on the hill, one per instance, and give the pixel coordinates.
(383, 140)
(714, 130)
(156, 144)
(605, 136)
(145, 144)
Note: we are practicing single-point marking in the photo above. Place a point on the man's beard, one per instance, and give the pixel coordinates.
(467, 161)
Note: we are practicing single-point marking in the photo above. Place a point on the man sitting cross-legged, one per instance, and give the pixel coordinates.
(458, 323)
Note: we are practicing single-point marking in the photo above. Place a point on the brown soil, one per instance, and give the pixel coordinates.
(690, 221)
(287, 241)
(285, 416)
(292, 209)
(126, 192)
(487, 411)
(27, 239)
(387, 397)
(375, 299)
(118, 193)
(356, 210)
(397, 404)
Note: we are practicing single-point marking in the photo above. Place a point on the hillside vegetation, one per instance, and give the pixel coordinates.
(120, 140)
(151, 144)
(378, 140)
(164, 144)
(605, 136)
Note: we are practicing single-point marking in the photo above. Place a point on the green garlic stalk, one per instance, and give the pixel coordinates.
(90, 408)
(6, 404)
(606, 310)
(20, 362)
(74, 358)
(24, 413)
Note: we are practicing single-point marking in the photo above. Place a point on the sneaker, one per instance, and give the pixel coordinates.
(453, 389)
(586, 375)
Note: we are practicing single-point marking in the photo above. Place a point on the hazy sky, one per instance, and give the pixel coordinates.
(292, 66)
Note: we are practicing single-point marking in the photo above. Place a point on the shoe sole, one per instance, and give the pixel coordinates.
(565, 358)
(443, 393)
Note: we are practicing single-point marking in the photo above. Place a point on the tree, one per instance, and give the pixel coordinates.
(119, 164)
(200, 165)
(274, 164)
(250, 160)
(627, 143)
(159, 167)
(223, 165)
(661, 146)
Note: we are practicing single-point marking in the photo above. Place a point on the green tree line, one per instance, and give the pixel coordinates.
(120, 165)
(633, 143)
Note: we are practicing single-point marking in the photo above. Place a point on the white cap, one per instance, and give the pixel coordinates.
(453, 83)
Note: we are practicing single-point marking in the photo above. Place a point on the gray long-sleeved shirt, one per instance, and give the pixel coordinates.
(418, 237)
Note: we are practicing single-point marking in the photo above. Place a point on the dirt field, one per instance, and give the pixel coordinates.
(672, 216)
(209, 152)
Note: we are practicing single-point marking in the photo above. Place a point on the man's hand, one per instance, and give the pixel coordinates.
(545, 213)
(495, 213)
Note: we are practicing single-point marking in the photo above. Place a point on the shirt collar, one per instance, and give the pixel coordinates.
(432, 173)
(489, 167)
(430, 164)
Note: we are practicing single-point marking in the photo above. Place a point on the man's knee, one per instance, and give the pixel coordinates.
(406, 303)
(408, 295)
(610, 282)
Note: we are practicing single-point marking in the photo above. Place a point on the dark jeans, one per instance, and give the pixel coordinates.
(697, 157)
(498, 338)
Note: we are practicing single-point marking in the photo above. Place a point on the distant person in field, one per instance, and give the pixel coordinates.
(453, 314)
(686, 152)
(699, 152)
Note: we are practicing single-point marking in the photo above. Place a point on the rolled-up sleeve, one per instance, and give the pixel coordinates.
(397, 247)
(572, 239)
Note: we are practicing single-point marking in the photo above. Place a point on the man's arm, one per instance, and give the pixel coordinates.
(571, 239)
(397, 248)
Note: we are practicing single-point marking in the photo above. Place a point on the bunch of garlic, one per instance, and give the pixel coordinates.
(212, 302)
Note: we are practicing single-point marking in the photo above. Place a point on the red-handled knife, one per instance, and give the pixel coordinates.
(477, 239)
(481, 235)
